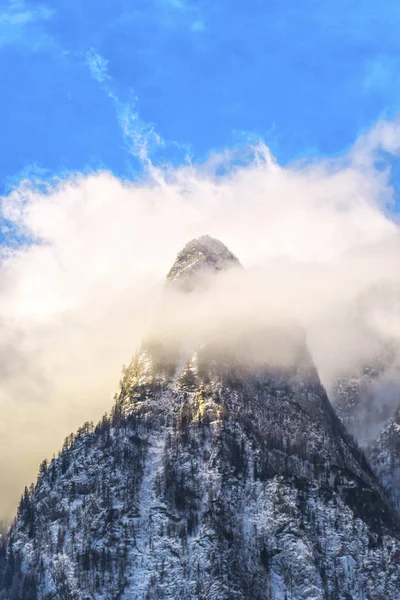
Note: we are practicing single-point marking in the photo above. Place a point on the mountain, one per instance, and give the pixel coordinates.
(221, 473)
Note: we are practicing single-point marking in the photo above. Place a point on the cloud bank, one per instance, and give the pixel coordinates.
(83, 261)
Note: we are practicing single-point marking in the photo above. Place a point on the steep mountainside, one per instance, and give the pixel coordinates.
(213, 478)
(367, 399)
(385, 458)
(364, 403)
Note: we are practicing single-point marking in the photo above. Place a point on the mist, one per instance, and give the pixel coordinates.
(84, 258)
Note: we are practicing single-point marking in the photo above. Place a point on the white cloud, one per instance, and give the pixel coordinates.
(384, 137)
(77, 299)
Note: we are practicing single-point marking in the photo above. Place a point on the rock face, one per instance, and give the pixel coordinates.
(213, 478)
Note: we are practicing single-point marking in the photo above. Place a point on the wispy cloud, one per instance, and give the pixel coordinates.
(141, 138)
(187, 14)
(177, 4)
(20, 23)
(198, 25)
(98, 65)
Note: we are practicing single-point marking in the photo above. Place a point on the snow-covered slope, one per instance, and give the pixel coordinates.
(212, 478)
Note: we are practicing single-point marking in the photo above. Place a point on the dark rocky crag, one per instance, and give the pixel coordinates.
(212, 478)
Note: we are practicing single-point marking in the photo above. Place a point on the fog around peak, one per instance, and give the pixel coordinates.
(84, 261)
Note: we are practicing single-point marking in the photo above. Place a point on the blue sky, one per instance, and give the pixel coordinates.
(85, 84)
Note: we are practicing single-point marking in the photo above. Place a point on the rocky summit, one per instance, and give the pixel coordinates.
(213, 478)
(200, 257)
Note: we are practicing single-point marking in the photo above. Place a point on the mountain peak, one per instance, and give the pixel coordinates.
(200, 256)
